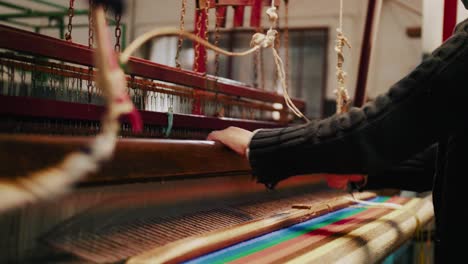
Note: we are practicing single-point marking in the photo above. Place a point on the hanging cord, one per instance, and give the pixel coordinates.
(368, 204)
(71, 14)
(342, 96)
(216, 43)
(278, 47)
(258, 70)
(286, 39)
(125, 56)
(218, 110)
(259, 41)
(90, 25)
(180, 41)
(118, 32)
(89, 82)
(270, 40)
(197, 44)
(206, 9)
(343, 101)
(57, 180)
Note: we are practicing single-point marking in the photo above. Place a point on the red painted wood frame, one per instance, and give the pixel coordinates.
(450, 18)
(201, 18)
(366, 50)
(19, 40)
(199, 64)
(235, 3)
(256, 14)
(221, 13)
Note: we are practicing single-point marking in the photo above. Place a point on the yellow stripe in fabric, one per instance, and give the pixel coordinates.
(318, 252)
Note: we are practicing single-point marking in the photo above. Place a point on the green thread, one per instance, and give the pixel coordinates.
(170, 121)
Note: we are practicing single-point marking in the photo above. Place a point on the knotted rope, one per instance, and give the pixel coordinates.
(342, 96)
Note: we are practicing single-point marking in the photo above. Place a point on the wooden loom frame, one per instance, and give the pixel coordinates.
(15, 39)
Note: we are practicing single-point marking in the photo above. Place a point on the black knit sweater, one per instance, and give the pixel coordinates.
(426, 108)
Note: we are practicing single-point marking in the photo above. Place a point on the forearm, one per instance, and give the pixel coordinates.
(356, 144)
(413, 115)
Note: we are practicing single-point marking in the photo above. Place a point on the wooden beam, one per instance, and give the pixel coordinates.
(450, 18)
(17, 106)
(366, 51)
(134, 159)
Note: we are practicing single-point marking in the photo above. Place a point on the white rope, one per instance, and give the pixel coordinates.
(163, 32)
(341, 16)
(342, 96)
(368, 204)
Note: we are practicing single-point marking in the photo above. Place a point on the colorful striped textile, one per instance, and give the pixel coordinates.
(350, 235)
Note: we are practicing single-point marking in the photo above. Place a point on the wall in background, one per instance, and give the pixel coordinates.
(395, 53)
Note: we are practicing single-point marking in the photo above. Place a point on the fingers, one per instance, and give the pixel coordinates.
(219, 135)
(234, 138)
(213, 136)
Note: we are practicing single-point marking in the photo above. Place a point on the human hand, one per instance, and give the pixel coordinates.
(336, 181)
(235, 138)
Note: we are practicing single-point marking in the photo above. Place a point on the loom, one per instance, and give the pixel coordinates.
(167, 195)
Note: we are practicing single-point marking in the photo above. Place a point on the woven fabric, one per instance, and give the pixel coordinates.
(350, 235)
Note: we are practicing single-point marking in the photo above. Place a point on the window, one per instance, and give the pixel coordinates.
(307, 62)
